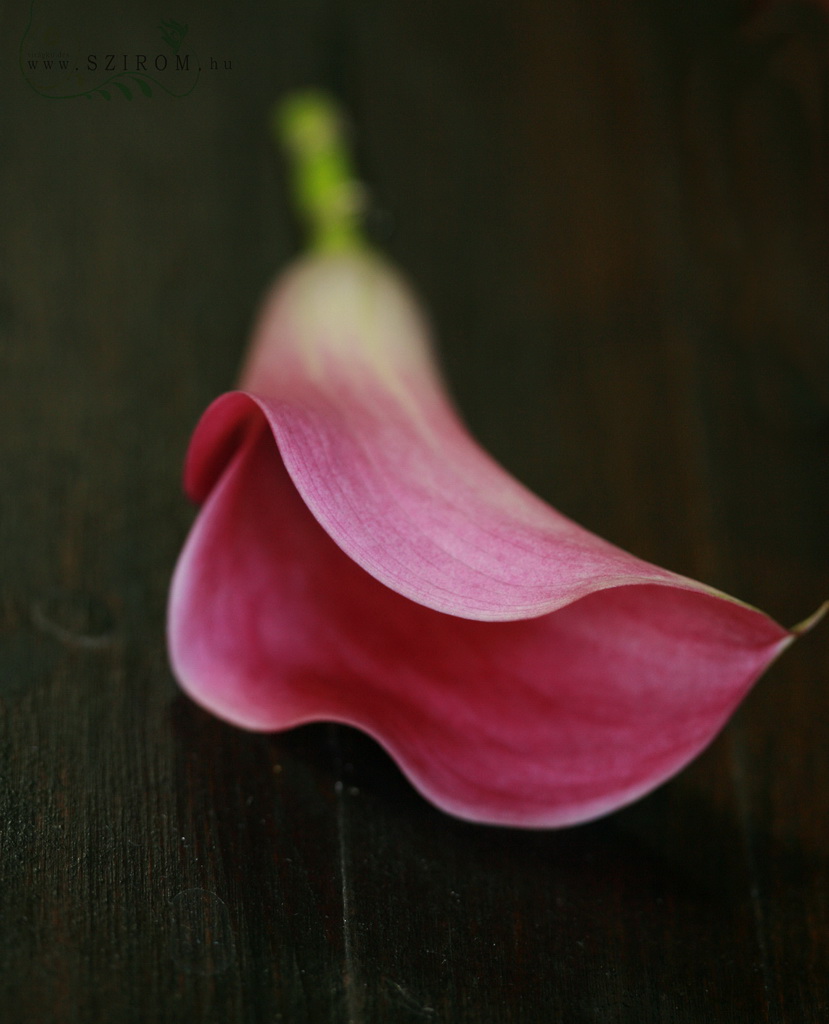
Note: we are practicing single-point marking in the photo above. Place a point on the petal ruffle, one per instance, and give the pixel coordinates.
(383, 462)
(546, 721)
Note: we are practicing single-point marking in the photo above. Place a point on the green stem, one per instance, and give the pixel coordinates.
(311, 129)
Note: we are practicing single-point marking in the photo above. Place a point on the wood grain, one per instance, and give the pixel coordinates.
(617, 216)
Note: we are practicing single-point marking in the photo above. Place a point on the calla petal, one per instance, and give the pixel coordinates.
(382, 460)
(360, 559)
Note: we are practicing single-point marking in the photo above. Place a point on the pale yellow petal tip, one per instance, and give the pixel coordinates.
(813, 620)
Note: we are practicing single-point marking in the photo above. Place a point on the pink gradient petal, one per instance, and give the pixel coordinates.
(542, 722)
(360, 559)
(383, 462)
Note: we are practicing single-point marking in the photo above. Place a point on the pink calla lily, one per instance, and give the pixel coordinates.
(360, 559)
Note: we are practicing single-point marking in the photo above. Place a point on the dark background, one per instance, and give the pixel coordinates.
(617, 216)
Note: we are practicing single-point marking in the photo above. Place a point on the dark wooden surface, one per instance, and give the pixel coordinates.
(617, 215)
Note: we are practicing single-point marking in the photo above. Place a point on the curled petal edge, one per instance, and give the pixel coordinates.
(471, 541)
(477, 724)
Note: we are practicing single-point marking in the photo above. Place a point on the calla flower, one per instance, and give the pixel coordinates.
(358, 558)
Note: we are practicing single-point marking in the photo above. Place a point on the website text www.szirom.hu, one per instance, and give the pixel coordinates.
(119, 62)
